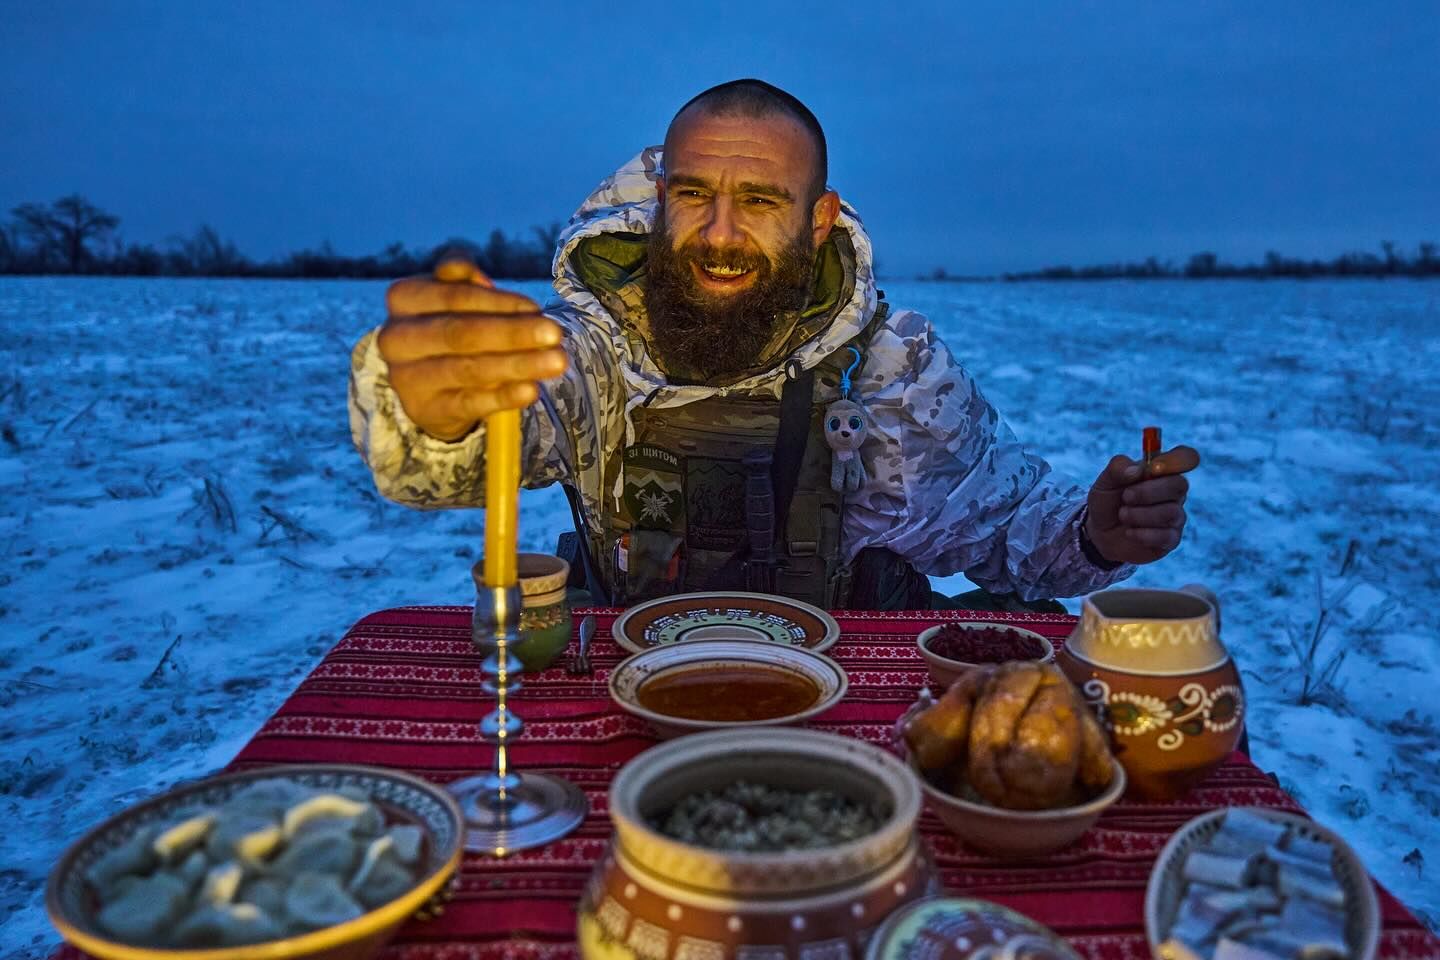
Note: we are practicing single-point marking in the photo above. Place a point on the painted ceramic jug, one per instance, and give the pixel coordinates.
(1152, 665)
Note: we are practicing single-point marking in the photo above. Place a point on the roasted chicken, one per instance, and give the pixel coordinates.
(1016, 734)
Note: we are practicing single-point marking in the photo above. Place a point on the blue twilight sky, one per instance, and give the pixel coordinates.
(979, 136)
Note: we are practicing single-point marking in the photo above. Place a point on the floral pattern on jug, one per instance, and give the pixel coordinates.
(1193, 711)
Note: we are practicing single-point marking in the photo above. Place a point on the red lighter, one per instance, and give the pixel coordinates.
(1150, 444)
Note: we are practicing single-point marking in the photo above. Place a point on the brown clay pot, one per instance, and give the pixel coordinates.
(657, 898)
(1152, 665)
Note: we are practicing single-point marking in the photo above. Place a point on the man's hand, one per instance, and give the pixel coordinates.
(1138, 517)
(458, 349)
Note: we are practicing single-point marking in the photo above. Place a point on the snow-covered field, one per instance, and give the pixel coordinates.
(186, 529)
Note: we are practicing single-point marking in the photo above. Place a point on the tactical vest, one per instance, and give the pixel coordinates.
(701, 482)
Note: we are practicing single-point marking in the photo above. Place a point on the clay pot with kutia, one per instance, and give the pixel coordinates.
(1152, 665)
(655, 897)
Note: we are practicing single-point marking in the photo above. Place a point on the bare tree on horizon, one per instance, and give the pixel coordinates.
(66, 226)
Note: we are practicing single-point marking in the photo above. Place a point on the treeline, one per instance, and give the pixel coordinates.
(1390, 262)
(74, 236)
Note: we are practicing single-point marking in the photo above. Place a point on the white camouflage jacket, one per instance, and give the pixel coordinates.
(950, 487)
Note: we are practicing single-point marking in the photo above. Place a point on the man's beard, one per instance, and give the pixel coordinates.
(700, 337)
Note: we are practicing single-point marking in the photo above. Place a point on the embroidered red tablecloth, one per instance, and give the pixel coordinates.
(402, 690)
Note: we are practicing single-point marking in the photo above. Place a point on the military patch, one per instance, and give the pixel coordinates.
(714, 503)
(654, 488)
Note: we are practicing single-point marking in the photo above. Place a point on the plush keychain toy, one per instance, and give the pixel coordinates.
(845, 429)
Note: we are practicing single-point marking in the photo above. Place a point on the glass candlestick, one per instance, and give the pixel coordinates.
(506, 810)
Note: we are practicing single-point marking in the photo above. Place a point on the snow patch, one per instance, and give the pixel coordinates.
(150, 623)
(1010, 371)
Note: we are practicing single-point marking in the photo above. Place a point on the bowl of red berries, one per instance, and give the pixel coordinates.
(953, 648)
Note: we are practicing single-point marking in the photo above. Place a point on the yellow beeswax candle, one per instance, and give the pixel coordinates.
(502, 495)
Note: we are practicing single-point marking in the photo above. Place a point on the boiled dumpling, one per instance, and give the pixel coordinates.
(192, 871)
(317, 900)
(227, 925)
(407, 839)
(354, 793)
(266, 893)
(369, 823)
(329, 851)
(268, 798)
(175, 843)
(122, 887)
(135, 855)
(379, 848)
(147, 907)
(381, 877)
(384, 882)
(248, 837)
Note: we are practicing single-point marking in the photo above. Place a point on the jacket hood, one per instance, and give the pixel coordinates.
(604, 246)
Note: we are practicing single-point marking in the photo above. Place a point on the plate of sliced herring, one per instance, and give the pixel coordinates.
(1248, 883)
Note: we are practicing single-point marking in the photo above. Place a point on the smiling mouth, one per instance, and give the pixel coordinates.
(718, 276)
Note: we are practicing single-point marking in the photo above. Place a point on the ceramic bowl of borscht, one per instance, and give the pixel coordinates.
(953, 648)
(717, 684)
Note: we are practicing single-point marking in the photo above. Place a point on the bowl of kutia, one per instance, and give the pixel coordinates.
(769, 842)
(306, 861)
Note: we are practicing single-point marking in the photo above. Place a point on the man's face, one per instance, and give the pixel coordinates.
(734, 246)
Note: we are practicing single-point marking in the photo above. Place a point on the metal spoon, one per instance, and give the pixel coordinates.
(580, 663)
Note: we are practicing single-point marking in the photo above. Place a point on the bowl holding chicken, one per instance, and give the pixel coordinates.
(1011, 759)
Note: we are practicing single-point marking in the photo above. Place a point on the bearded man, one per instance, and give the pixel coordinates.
(715, 304)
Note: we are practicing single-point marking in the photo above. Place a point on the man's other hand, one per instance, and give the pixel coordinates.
(459, 350)
(1138, 516)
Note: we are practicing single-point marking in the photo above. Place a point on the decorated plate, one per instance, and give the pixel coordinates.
(952, 928)
(725, 616)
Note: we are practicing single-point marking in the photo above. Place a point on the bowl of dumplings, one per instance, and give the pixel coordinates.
(323, 860)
